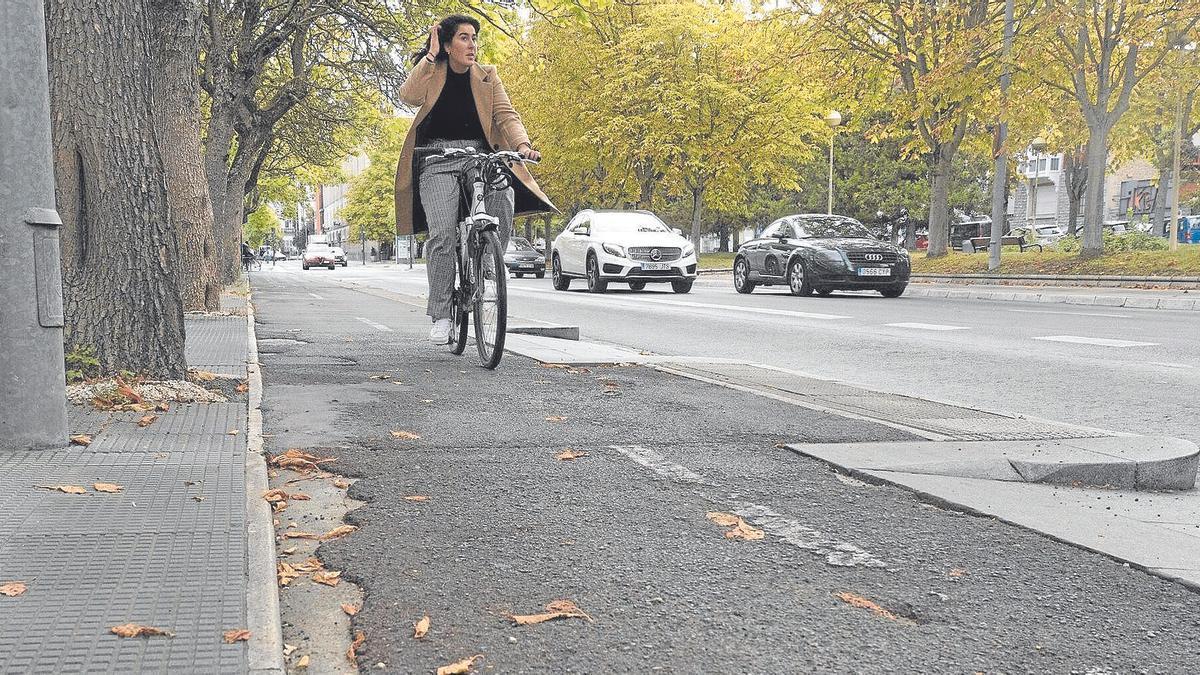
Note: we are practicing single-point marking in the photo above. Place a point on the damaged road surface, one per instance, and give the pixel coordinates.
(648, 522)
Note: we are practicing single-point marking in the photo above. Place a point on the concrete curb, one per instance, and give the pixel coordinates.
(557, 332)
(1087, 280)
(265, 645)
(1110, 301)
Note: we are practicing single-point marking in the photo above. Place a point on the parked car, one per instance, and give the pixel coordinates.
(1044, 234)
(822, 253)
(318, 255)
(633, 247)
(339, 255)
(522, 258)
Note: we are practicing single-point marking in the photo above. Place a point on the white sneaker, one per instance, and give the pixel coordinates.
(440, 333)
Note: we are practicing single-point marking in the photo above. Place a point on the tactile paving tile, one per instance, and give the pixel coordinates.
(191, 418)
(190, 583)
(1007, 429)
(904, 409)
(156, 496)
(198, 448)
(217, 340)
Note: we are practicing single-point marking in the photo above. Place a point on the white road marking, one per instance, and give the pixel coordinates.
(643, 302)
(791, 532)
(316, 296)
(1169, 365)
(801, 536)
(1103, 342)
(659, 464)
(372, 324)
(926, 326)
(1051, 311)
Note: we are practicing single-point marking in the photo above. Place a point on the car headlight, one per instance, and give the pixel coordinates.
(613, 249)
(688, 250)
(830, 254)
(541, 260)
(903, 252)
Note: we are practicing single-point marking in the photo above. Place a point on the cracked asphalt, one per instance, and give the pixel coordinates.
(623, 531)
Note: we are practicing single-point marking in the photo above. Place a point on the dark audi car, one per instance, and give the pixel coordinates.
(817, 252)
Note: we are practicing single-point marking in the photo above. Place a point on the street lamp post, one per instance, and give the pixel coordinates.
(1038, 145)
(834, 120)
(33, 404)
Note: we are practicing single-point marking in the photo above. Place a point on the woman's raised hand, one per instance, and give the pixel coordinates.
(435, 43)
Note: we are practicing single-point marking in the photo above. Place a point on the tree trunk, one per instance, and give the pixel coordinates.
(226, 203)
(177, 123)
(939, 201)
(1093, 213)
(1076, 175)
(529, 230)
(1161, 197)
(697, 206)
(120, 254)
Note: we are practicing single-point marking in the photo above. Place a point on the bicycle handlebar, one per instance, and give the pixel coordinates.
(436, 153)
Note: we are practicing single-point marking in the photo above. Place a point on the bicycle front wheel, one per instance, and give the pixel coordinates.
(458, 325)
(491, 300)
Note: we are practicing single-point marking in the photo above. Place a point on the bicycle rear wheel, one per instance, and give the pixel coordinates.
(458, 324)
(491, 300)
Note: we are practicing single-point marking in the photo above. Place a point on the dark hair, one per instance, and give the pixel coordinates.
(447, 27)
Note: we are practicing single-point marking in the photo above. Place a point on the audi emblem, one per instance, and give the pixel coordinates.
(874, 257)
(655, 254)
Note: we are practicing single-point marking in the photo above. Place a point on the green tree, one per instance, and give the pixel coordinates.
(262, 225)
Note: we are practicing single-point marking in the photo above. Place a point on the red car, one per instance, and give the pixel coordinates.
(318, 256)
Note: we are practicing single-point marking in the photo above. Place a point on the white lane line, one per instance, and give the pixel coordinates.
(1051, 311)
(1103, 342)
(659, 464)
(372, 324)
(316, 296)
(926, 326)
(838, 553)
(1169, 365)
(791, 532)
(643, 302)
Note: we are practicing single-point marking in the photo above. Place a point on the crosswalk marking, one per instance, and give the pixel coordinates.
(1103, 342)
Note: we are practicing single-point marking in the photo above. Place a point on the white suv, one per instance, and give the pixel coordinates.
(633, 247)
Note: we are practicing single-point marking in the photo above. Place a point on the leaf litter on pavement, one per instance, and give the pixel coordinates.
(421, 627)
(13, 588)
(81, 439)
(406, 435)
(132, 630)
(558, 609)
(459, 667)
(111, 488)
(859, 601)
(739, 529)
(569, 454)
(239, 635)
(68, 489)
(352, 651)
(349, 609)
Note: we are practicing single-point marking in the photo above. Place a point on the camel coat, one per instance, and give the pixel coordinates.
(501, 125)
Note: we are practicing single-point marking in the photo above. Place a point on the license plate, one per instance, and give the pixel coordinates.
(653, 266)
(874, 272)
(529, 265)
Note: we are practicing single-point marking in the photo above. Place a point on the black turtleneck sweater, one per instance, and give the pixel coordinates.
(454, 117)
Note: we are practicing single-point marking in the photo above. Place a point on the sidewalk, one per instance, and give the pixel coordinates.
(168, 550)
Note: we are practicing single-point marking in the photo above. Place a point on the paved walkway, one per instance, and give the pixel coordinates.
(169, 550)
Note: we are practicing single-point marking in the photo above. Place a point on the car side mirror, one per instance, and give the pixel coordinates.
(677, 231)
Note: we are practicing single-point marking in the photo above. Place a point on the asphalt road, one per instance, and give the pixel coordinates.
(1033, 359)
(623, 531)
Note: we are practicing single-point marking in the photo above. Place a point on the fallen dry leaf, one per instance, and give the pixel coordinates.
(299, 496)
(275, 495)
(568, 454)
(242, 388)
(69, 489)
(339, 531)
(163, 407)
(278, 507)
(110, 488)
(327, 578)
(460, 667)
(147, 420)
(310, 565)
(290, 550)
(781, 446)
(131, 630)
(13, 588)
(421, 628)
(202, 375)
(559, 609)
(863, 603)
(349, 609)
(300, 535)
(232, 636)
(299, 461)
(556, 418)
(405, 435)
(351, 655)
(288, 649)
(81, 439)
(233, 432)
(303, 662)
(340, 484)
(416, 498)
(740, 528)
(957, 572)
(381, 377)
(286, 573)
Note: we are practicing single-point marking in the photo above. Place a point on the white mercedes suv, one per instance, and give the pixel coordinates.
(632, 247)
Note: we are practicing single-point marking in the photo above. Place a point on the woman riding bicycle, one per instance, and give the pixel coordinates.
(462, 104)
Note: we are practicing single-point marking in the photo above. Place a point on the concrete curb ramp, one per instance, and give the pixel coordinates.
(1131, 463)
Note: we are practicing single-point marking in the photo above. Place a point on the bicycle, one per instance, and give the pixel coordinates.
(481, 279)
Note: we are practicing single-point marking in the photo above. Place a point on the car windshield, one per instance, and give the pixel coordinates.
(621, 223)
(520, 244)
(829, 227)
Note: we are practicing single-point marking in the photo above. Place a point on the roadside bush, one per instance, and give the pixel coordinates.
(82, 365)
(1117, 243)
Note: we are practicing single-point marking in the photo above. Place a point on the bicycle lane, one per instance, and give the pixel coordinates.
(623, 531)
